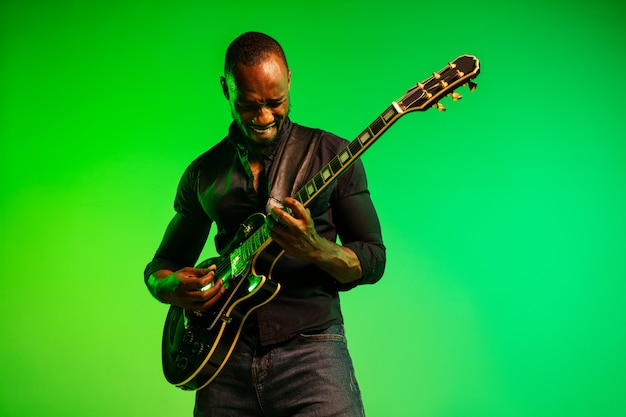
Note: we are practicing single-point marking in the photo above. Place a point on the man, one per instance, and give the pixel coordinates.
(292, 358)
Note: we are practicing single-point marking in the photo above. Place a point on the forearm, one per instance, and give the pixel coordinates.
(339, 261)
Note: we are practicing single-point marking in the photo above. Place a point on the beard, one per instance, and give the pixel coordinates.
(264, 149)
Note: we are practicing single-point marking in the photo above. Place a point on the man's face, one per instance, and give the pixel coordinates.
(259, 98)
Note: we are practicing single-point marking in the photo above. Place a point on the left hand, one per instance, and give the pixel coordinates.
(296, 233)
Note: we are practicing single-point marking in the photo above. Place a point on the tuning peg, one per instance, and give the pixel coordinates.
(472, 86)
(456, 96)
(440, 107)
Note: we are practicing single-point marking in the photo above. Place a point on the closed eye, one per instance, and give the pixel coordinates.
(274, 104)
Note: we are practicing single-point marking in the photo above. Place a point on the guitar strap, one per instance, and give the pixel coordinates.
(292, 164)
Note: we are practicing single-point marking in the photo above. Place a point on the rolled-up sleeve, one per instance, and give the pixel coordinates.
(358, 226)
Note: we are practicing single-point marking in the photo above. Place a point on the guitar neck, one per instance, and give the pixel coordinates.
(419, 98)
(340, 163)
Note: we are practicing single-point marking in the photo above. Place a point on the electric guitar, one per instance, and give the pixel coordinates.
(196, 345)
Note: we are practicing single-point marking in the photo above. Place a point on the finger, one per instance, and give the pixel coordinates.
(193, 283)
(208, 276)
(295, 206)
(202, 300)
(211, 289)
(189, 272)
(215, 298)
(299, 211)
(200, 272)
(281, 217)
(208, 281)
(202, 295)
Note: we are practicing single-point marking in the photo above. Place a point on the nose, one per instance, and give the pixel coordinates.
(264, 117)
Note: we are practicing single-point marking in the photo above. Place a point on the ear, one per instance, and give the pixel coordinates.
(288, 80)
(224, 87)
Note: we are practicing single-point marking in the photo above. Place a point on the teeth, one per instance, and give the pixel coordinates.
(261, 130)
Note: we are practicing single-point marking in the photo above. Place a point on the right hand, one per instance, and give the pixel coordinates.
(182, 288)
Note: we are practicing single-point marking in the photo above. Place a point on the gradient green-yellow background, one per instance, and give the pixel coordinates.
(503, 217)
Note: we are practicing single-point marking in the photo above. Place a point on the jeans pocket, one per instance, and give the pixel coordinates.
(334, 333)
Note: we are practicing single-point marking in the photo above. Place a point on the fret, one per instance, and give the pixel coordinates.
(344, 156)
(235, 257)
(365, 136)
(389, 114)
(319, 181)
(335, 165)
(305, 195)
(377, 126)
(326, 173)
(355, 147)
(310, 188)
(242, 253)
(236, 253)
(298, 196)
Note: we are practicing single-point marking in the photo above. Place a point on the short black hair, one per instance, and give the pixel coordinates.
(251, 48)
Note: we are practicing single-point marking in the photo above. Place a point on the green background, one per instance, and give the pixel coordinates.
(503, 217)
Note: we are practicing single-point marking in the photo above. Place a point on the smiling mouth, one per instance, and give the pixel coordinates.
(263, 130)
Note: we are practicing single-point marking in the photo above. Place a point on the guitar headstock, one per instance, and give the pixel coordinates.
(428, 93)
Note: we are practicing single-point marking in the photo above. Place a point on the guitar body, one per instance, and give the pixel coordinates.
(196, 345)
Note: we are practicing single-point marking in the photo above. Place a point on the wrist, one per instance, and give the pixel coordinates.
(161, 283)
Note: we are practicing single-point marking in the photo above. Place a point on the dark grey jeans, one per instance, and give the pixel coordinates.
(311, 375)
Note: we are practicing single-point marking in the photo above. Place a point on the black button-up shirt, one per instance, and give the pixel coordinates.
(218, 188)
